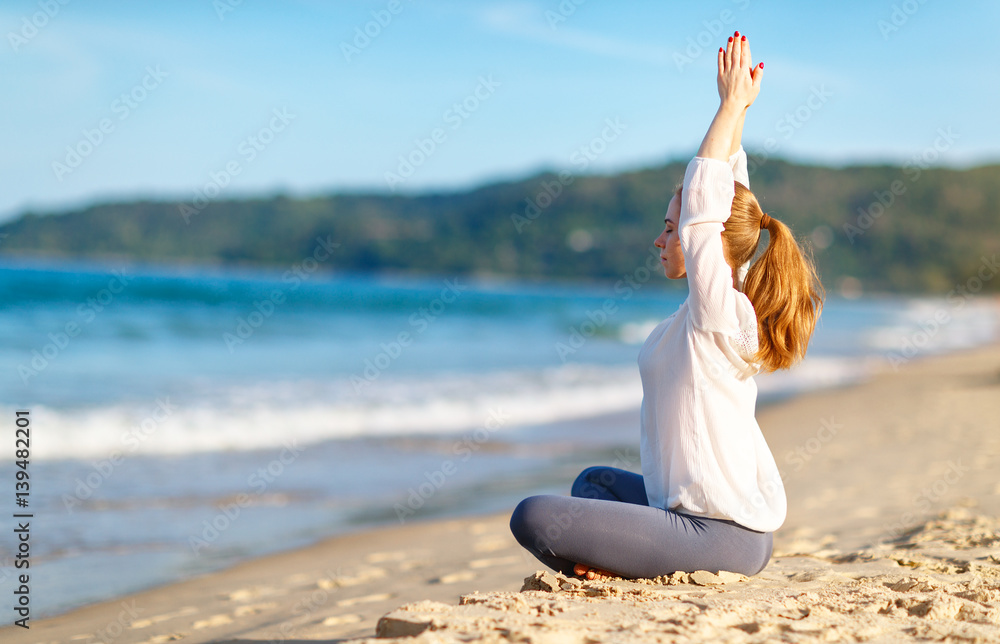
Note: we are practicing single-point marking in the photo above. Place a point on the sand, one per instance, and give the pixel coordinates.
(892, 535)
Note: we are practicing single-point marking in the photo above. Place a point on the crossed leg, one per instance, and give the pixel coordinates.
(606, 526)
(609, 484)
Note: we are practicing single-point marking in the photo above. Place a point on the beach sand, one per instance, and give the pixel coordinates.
(893, 534)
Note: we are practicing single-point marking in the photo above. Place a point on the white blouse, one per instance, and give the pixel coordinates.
(702, 451)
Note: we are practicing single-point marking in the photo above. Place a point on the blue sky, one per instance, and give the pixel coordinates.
(112, 100)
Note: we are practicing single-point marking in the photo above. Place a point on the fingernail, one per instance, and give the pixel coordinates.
(762, 65)
(744, 38)
(736, 33)
(720, 50)
(730, 39)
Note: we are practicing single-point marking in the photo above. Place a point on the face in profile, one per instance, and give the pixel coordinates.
(669, 242)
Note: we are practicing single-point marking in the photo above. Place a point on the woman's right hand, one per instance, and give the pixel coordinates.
(738, 80)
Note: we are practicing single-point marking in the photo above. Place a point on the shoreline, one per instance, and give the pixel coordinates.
(862, 464)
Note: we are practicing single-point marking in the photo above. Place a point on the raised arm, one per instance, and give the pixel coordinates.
(708, 192)
(737, 134)
(739, 83)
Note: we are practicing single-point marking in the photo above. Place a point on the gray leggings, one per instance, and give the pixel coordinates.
(608, 524)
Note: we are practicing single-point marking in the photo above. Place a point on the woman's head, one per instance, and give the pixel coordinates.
(669, 243)
(781, 284)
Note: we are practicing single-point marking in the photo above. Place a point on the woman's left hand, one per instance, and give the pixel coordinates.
(739, 81)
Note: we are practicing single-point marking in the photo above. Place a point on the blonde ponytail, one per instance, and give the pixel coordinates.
(782, 284)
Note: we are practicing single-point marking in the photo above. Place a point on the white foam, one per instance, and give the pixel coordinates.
(637, 332)
(265, 416)
(818, 372)
(269, 414)
(935, 325)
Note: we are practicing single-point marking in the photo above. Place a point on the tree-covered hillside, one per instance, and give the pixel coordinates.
(902, 229)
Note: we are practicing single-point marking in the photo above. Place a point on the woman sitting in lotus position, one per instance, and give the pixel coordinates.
(710, 494)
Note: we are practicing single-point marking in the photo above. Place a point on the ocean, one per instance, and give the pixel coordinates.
(183, 419)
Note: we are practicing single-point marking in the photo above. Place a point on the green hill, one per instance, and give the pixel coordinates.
(900, 229)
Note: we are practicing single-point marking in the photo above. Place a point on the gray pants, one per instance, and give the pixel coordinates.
(608, 524)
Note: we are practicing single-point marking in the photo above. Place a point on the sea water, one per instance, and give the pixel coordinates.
(184, 419)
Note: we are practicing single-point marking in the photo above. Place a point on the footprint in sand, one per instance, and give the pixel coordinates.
(384, 557)
(365, 599)
(255, 592)
(215, 620)
(494, 561)
(807, 547)
(338, 620)
(168, 637)
(253, 609)
(416, 563)
(359, 576)
(455, 577)
(405, 561)
(479, 528)
(156, 619)
(494, 543)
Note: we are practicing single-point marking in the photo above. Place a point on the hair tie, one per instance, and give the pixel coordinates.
(765, 221)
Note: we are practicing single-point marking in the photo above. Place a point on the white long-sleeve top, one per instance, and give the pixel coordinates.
(702, 451)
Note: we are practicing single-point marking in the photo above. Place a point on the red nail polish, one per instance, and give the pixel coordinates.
(762, 65)
(720, 50)
(744, 38)
(730, 39)
(736, 33)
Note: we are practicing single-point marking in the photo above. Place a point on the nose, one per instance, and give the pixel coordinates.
(661, 241)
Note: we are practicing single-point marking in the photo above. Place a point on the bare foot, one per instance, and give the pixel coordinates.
(587, 572)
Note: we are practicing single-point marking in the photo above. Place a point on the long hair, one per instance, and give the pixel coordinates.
(782, 283)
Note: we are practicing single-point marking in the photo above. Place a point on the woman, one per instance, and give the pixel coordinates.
(710, 495)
